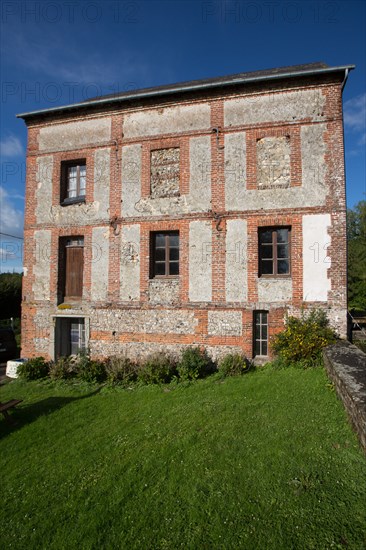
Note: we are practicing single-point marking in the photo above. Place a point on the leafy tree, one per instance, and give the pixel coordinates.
(10, 295)
(356, 236)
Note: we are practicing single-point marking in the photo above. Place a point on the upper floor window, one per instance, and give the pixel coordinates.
(165, 172)
(274, 250)
(165, 254)
(73, 181)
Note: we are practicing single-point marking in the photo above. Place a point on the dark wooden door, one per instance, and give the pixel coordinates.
(74, 271)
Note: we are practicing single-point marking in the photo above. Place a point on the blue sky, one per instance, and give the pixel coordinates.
(58, 52)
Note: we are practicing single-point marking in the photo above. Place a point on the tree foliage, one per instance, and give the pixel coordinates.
(10, 295)
(356, 236)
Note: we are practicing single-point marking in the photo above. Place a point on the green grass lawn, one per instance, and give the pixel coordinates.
(263, 461)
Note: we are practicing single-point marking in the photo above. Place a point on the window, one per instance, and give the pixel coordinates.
(274, 251)
(77, 336)
(260, 336)
(71, 268)
(73, 181)
(164, 254)
(165, 172)
(70, 336)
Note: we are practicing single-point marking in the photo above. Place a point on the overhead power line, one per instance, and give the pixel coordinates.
(14, 236)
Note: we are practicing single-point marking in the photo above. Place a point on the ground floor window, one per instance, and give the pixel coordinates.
(260, 337)
(70, 336)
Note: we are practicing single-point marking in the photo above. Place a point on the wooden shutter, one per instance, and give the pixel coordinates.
(74, 271)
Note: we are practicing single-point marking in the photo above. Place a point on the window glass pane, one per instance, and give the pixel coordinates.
(174, 240)
(160, 240)
(260, 346)
(283, 267)
(266, 267)
(174, 268)
(73, 170)
(160, 254)
(82, 184)
(282, 235)
(82, 171)
(72, 182)
(174, 254)
(266, 236)
(77, 336)
(282, 251)
(266, 251)
(160, 268)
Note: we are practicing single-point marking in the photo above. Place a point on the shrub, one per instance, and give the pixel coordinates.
(121, 370)
(158, 368)
(33, 369)
(64, 368)
(89, 370)
(195, 363)
(303, 339)
(234, 364)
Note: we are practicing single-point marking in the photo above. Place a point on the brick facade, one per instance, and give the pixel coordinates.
(220, 139)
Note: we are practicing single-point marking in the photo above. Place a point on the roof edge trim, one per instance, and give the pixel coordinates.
(155, 92)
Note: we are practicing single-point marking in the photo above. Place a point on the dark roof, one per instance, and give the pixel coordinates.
(242, 77)
(292, 71)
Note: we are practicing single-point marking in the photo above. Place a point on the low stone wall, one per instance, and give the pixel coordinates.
(346, 366)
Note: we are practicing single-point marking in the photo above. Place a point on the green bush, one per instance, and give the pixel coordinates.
(33, 369)
(234, 364)
(89, 370)
(195, 363)
(158, 368)
(63, 369)
(121, 370)
(303, 339)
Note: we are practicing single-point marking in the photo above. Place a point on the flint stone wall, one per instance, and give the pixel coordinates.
(346, 367)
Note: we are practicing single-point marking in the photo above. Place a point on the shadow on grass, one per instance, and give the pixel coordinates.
(23, 415)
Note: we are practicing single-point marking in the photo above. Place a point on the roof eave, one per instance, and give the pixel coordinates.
(156, 92)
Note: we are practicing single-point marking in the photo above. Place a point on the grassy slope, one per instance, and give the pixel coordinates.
(263, 461)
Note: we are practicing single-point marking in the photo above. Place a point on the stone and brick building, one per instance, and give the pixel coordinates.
(197, 213)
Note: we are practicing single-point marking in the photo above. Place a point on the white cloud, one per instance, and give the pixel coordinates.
(11, 147)
(11, 219)
(355, 113)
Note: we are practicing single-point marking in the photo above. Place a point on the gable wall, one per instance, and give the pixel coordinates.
(226, 193)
